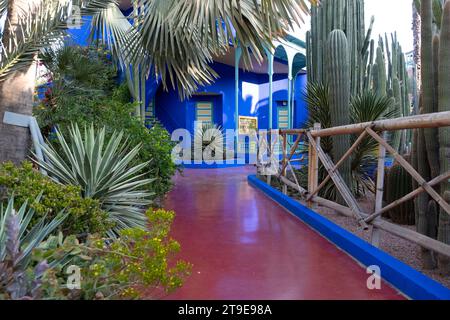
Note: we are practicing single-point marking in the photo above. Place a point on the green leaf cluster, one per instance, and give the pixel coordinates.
(25, 183)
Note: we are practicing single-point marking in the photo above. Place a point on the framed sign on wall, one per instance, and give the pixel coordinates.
(248, 125)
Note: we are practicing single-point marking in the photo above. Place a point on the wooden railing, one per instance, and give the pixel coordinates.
(371, 222)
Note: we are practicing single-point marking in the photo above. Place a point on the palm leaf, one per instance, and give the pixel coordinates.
(38, 28)
(3, 6)
(180, 38)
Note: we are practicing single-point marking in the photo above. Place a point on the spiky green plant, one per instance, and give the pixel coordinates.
(18, 278)
(103, 171)
(366, 107)
(211, 137)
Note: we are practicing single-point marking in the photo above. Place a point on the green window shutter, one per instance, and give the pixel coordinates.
(283, 118)
(204, 112)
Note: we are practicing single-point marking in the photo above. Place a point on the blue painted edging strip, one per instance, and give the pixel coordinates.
(211, 166)
(406, 279)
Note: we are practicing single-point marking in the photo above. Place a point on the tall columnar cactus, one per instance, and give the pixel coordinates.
(347, 15)
(338, 71)
(381, 84)
(398, 184)
(444, 133)
(393, 83)
(396, 135)
(428, 86)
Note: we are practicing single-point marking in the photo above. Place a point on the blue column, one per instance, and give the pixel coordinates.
(237, 58)
(290, 100)
(270, 72)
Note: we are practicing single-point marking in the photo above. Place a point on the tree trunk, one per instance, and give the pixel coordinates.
(16, 94)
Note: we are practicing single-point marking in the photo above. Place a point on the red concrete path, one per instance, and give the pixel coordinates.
(244, 246)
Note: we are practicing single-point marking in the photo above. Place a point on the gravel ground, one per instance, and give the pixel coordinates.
(402, 249)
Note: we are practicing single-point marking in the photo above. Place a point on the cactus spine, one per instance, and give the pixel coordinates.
(444, 133)
(338, 71)
(398, 184)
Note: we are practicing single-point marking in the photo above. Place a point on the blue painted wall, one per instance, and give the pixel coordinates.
(80, 34)
(301, 110)
(253, 100)
(253, 97)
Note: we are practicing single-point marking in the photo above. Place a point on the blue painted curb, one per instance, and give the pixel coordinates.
(211, 166)
(406, 279)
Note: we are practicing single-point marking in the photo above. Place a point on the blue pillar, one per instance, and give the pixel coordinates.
(293, 101)
(270, 72)
(237, 58)
(289, 100)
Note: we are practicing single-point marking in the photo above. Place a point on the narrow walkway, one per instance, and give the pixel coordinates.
(245, 246)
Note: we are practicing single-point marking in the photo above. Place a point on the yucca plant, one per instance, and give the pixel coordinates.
(365, 107)
(18, 278)
(103, 170)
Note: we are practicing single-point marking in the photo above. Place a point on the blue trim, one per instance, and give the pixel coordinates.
(212, 166)
(406, 279)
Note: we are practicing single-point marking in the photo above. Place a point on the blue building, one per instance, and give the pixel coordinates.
(271, 94)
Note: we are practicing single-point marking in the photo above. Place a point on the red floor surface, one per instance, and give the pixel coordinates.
(244, 246)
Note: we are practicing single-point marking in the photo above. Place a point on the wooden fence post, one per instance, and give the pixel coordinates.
(284, 162)
(375, 237)
(313, 167)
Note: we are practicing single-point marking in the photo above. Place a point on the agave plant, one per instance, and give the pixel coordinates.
(365, 107)
(211, 136)
(17, 243)
(103, 171)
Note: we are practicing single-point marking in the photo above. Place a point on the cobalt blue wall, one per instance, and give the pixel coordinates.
(301, 110)
(175, 114)
(80, 35)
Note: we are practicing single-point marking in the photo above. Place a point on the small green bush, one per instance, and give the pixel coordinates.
(140, 264)
(26, 184)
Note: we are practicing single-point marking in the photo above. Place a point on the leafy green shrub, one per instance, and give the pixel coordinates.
(139, 264)
(26, 184)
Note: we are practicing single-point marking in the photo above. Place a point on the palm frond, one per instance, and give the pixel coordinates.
(3, 6)
(39, 28)
(180, 38)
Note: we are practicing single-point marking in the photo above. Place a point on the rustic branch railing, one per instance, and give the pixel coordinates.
(364, 130)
